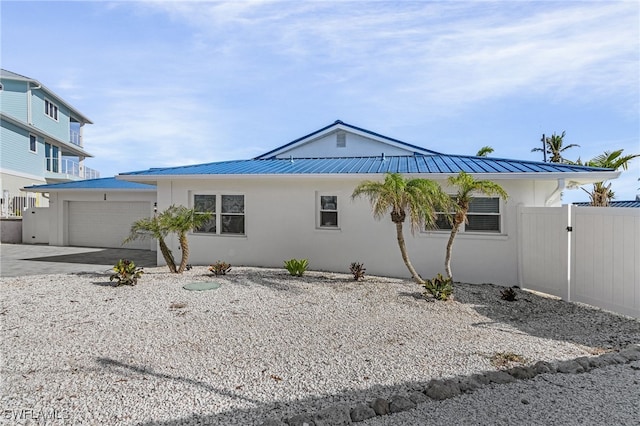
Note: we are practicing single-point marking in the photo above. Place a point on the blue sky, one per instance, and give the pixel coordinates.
(174, 83)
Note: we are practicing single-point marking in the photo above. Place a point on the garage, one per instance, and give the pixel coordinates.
(105, 224)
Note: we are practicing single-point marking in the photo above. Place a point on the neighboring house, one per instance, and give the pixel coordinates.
(41, 141)
(295, 202)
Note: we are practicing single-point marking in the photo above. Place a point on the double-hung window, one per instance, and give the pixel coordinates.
(328, 211)
(483, 216)
(51, 109)
(227, 213)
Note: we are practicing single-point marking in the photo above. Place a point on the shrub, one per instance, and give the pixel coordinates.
(296, 267)
(440, 288)
(126, 273)
(220, 268)
(357, 269)
(506, 359)
(508, 294)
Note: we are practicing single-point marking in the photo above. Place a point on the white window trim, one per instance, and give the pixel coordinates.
(319, 210)
(47, 110)
(218, 213)
(33, 151)
(463, 232)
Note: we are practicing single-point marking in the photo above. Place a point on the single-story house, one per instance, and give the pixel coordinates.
(295, 202)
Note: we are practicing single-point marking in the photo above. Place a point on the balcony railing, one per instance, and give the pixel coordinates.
(75, 138)
(66, 166)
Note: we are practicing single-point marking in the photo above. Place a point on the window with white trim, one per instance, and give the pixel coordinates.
(51, 109)
(205, 204)
(483, 216)
(33, 143)
(228, 213)
(328, 211)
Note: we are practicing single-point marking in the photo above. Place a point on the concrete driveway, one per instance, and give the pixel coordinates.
(33, 259)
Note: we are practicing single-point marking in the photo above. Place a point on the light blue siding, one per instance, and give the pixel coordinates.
(58, 129)
(15, 153)
(13, 99)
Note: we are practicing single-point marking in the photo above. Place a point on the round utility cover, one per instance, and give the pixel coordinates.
(199, 286)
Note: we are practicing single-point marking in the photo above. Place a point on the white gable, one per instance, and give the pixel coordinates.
(342, 143)
(343, 140)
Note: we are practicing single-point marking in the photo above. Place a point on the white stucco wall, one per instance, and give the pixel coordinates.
(280, 221)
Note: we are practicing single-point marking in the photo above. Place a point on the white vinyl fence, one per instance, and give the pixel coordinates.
(583, 254)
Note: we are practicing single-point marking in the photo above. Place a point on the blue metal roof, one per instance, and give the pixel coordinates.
(103, 183)
(633, 203)
(417, 149)
(434, 164)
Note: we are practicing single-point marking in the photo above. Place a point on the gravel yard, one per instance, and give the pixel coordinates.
(263, 345)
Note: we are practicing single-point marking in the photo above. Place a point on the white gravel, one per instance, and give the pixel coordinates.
(263, 345)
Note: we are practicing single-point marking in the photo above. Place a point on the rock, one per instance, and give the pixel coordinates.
(522, 373)
(338, 415)
(401, 403)
(584, 363)
(614, 358)
(469, 384)
(273, 422)
(543, 367)
(525, 401)
(362, 412)
(380, 406)
(301, 420)
(597, 362)
(569, 367)
(481, 378)
(631, 353)
(440, 390)
(500, 377)
(418, 397)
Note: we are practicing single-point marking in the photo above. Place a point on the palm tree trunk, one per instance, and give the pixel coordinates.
(447, 260)
(405, 255)
(166, 253)
(184, 245)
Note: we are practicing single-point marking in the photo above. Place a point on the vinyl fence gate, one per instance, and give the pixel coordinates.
(582, 254)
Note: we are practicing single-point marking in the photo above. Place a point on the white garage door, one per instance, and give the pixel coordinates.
(105, 224)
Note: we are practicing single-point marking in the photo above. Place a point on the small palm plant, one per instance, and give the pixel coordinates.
(175, 219)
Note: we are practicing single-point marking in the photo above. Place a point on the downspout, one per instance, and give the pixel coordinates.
(556, 194)
(29, 113)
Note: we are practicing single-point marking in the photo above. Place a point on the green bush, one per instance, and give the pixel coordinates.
(220, 268)
(296, 267)
(126, 273)
(440, 288)
(357, 269)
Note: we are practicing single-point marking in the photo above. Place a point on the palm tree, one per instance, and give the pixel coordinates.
(553, 146)
(150, 227)
(418, 199)
(466, 185)
(175, 219)
(180, 220)
(602, 194)
(484, 151)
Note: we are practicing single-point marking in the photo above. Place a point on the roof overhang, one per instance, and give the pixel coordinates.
(69, 148)
(17, 77)
(572, 179)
